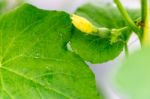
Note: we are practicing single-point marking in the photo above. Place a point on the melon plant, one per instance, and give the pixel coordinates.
(44, 53)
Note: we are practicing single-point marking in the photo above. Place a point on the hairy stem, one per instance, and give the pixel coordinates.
(144, 7)
(146, 17)
(128, 18)
(126, 49)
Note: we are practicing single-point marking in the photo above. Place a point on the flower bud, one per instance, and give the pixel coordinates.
(83, 24)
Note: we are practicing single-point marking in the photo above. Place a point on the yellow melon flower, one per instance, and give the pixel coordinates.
(83, 24)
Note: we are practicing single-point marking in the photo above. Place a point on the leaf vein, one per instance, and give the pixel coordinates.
(35, 82)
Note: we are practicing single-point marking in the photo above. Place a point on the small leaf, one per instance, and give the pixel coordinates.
(34, 60)
(133, 76)
(93, 48)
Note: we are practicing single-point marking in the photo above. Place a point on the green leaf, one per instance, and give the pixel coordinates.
(95, 49)
(133, 76)
(34, 60)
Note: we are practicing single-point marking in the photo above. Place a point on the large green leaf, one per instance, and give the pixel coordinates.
(96, 49)
(34, 60)
(133, 76)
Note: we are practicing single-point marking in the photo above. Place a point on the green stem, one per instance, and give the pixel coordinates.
(124, 28)
(126, 49)
(128, 18)
(144, 7)
(146, 35)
